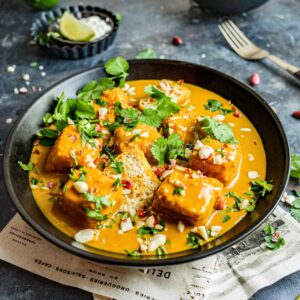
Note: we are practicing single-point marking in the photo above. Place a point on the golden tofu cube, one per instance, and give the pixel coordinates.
(80, 194)
(141, 137)
(69, 151)
(138, 174)
(217, 159)
(187, 197)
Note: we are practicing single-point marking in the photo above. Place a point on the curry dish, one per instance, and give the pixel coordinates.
(146, 167)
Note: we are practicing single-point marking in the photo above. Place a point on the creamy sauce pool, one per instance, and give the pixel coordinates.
(253, 159)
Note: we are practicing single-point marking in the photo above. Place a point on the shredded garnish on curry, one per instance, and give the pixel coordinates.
(147, 166)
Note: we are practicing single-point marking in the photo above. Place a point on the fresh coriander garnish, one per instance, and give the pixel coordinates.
(117, 183)
(160, 251)
(117, 166)
(221, 151)
(261, 187)
(295, 165)
(101, 102)
(215, 105)
(132, 253)
(34, 181)
(217, 130)
(193, 240)
(134, 137)
(273, 239)
(165, 149)
(146, 53)
(178, 191)
(148, 230)
(26, 167)
(117, 67)
(226, 218)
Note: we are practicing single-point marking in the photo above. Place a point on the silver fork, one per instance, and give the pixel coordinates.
(247, 50)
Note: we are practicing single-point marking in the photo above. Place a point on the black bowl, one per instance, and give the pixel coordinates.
(229, 7)
(19, 146)
(61, 48)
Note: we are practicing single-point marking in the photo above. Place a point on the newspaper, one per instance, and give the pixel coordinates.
(239, 271)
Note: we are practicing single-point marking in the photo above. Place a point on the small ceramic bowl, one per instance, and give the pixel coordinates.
(62, 48)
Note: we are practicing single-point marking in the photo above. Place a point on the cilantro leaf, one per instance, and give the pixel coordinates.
(295, 165)
(116, 66)
(117, 166)
(193, 240)
(150, 117)
(165, 149)
(295, 212)
(154, 92)
(261, 187)
(217, 130)
(93, 89)
(47, 142)
(26, 167)
(47, 133)
(273, 240)
(133, 253)
(178, 191)
(84, 110)
(146, 53)
(214, 105)
(147, 230)
(226, 218)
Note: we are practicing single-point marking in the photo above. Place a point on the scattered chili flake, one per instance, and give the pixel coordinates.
(220, 203)
(142, 213)
(177, 40)
(98, 128)
(127, 184)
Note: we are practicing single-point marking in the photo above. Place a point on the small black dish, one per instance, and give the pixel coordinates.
(62, 48)
(19, 145)
(229, 7)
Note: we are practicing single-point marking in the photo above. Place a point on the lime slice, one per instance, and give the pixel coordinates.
(74, 30)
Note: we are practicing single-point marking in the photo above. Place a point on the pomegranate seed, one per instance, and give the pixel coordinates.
(98, 128)
(177, 40)
(127, 184)
(220, 203)
(237, 114)
(254, 79)
(142, 214)
(296, 114)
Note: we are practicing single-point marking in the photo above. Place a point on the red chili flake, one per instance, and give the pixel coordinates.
(92, 190)
(254, 79)
(98, 128)
(73, 138)
(296, 114)
(158, 171)
(51, 184)
(177, 40)
(255, 142)
(188, 171)
(220, 203)
(275, 236)
(34, 89)
(155, 220)
(142, 214)
(127, 184)
(237, 114)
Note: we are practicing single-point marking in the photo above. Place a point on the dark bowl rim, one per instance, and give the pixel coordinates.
(162, 261)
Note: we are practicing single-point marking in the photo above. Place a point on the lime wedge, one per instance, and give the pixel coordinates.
(74, 30)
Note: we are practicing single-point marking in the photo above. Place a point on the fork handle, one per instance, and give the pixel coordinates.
(283, 64)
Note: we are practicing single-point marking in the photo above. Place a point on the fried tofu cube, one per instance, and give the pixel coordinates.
(89, 196)
(140, 182)
(141, 137)
(112, 96)
(217, 159)
(178, 93)
(69, 151)
(182, 123)
(187, 197)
